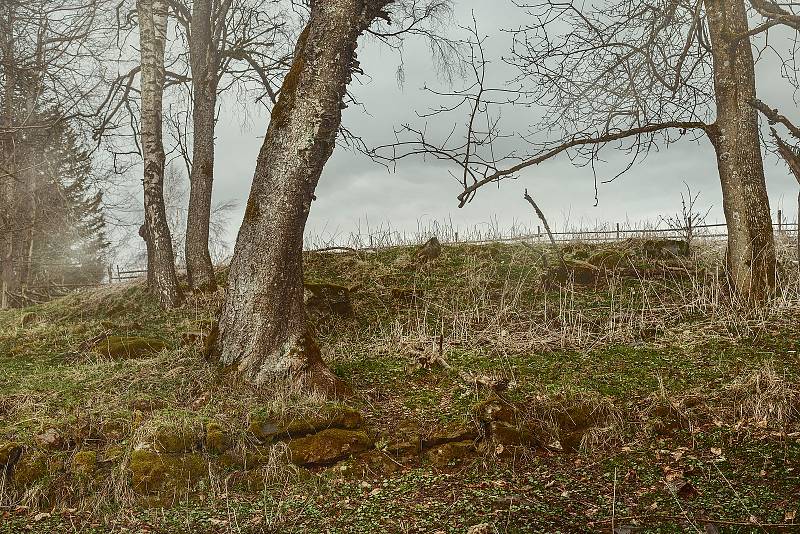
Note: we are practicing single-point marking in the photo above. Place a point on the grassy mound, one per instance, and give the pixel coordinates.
(487, 392)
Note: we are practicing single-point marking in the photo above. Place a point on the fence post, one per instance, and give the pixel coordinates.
(110, 275)
(538, 232)
(780, 221)
(618, 234)
(3, 298)
(456, 237)
(689, 231)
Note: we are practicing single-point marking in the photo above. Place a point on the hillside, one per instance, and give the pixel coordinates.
(490, 390)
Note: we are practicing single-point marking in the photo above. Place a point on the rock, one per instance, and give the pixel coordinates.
(153, 472)
(660, 249)
(84, 463)
(127, 348)
(176, 440)
(583, 273)
(112, 454)
(510, 435)
(245, 460)
(217, 441)
(404, 448)
(328, 297)
(458, 434)
(337, 416)
(328, 446)
(50, 439)
(30, 469)
(451, 453)
(10, 454)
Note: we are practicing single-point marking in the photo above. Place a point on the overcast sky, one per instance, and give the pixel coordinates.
(355, 194)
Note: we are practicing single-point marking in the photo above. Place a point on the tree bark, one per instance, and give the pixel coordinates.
(204, 59)
(8, 171)
(263, 330)
(153, 33)
(751, 247)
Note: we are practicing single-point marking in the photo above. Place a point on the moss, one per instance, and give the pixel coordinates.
(217, 441)
(329, 297)
(328, 446)
(170, 439)
(84, 463)
(30, 469)
(124, 347)
(153, 472)
(331, 416)
(288, 93)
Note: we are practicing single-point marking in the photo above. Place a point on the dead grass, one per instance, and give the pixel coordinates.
(764, 396)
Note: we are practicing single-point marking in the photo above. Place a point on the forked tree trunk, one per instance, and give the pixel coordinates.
(204, 59)
(262, 329)
(160, 258)
(751, 245)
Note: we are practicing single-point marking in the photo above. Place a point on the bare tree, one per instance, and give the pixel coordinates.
(161, 259)
(630, 75)
(262, 330)
(221, 34)
(48, 61)
(788, 153)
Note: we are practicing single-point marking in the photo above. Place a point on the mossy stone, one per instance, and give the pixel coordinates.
(217, 441)
(329, 297)
(153, 472)
(176, 440)
(30, 469)
(328, 446)
(84, 463)
(336, 416)
(128, 348)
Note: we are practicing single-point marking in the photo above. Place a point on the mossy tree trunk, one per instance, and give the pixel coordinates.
(204, 60)
(160, 259)
(751, 246)
(262, 328)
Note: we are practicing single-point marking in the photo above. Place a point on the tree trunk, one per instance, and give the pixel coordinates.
(153, 34)
(204, 59)
(263, 329)
(751, 245)
(7, 171)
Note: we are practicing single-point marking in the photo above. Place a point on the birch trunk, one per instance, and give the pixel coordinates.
(751, 247)
(160, 259)
(263, 330)
(204, 59)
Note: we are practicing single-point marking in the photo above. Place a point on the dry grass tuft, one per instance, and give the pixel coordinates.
(764, 397)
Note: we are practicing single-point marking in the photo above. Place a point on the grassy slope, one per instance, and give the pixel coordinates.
(640, 337)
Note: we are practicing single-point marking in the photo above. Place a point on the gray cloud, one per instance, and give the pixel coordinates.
(354, 190)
